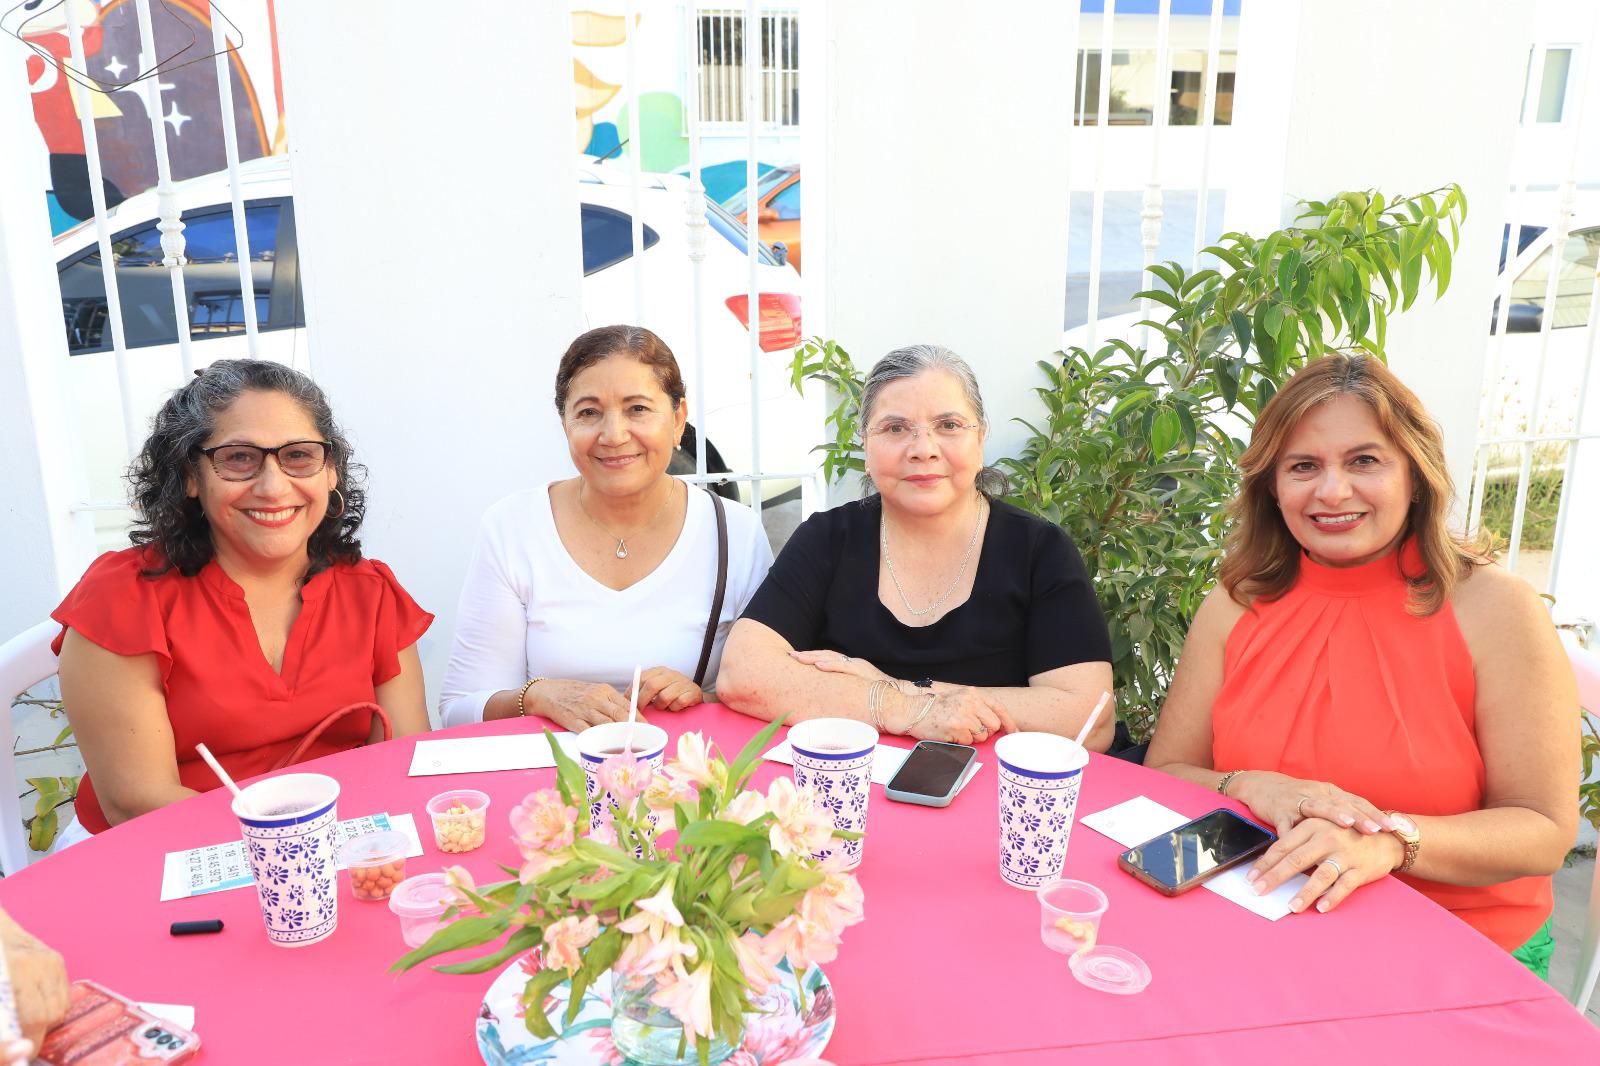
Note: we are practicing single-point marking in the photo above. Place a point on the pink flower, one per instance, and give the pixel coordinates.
(688, 998)
(802, 826)
(837, 901)
(695, 762)
(604, 833)
(803, 941)
(458, 883)
(538, 864)
(653, 913)
(565, 939)
(541, 822)
(757, 961)
(667, 790)
(625, 777)
(745, 808)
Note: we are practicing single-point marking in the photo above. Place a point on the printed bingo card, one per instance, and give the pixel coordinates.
(219, 867)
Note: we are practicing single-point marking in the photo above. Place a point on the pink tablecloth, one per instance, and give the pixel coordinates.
(947, 966)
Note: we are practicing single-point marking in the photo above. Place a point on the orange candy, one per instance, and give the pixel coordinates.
(377, 882)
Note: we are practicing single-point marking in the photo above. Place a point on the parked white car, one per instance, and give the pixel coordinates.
(789, 426)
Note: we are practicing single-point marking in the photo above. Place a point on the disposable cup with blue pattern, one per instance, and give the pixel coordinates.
(646, 742)
(834, 757)
(1039, 775)
(288, 825)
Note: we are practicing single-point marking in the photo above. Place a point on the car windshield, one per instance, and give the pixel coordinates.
(733, 232)
(765, 184)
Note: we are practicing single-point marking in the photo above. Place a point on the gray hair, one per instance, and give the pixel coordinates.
(916, 359)
(168, 520)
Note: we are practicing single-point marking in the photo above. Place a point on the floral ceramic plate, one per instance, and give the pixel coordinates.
(776, 1035)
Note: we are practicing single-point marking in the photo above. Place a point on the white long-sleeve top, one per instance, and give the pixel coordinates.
(529, 610)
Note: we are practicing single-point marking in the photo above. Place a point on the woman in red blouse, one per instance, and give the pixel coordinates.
(244, 614)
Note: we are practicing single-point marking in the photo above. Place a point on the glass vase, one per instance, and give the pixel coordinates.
(650, 1035)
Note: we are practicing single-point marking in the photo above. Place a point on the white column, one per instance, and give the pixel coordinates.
(43, 547)
(987, 276)
(1354, 107)
(437, 214)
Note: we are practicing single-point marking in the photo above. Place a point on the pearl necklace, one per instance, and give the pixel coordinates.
(622, 543)
(883, 542)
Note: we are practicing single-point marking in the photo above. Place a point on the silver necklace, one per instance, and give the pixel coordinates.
(622, 543)
(916, 612)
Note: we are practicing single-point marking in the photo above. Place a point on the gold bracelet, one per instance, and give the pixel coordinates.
(1222, 786)
(522, 696)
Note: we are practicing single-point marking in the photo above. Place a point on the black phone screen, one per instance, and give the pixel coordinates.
(1192, 851)
(932, 768)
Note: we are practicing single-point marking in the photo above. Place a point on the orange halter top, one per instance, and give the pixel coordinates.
(1337, 682)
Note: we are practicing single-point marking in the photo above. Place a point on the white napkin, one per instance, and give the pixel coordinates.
(471, 755)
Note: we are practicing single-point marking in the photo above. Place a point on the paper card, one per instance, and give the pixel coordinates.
(886, 761)
(472, 755)
(176, 1013)
(1134, 821)
(219, 867)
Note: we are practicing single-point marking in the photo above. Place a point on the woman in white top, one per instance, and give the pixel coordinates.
(575, 582)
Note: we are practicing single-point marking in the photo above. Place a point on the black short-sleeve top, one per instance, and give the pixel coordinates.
(1032, 608)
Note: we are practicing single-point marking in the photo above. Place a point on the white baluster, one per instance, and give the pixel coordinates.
(635, 160)
(230, 149)
(694, 208)
(1208, 125)
(171, 224)
(752, 75)
(1098, 213)
(1151, 211)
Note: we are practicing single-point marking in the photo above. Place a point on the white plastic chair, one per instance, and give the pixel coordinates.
(1586, 666)
(25, 660)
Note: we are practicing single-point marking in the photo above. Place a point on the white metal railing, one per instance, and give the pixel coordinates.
(1533, 434)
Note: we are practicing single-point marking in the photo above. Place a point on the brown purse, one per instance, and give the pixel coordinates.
(321, 727)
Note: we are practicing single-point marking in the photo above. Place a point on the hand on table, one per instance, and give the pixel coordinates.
(577, 705)
(960, 715)
(1283, 802)
(835, 662)
(665, 689)
(1339, 861)
(39, 983)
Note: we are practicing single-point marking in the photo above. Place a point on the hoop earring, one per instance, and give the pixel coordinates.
(340, 512)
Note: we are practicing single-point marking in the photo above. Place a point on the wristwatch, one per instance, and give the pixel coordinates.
(1406, 830)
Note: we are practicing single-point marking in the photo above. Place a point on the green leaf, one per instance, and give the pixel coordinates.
(539, 986)
(524, 939)
(739, 770)
(1241, 331)
(61, 737)
(459, 934)
(1164, 432)
(42, 833)
(715, 833)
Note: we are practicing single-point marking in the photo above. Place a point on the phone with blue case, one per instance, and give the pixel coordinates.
(931, 774)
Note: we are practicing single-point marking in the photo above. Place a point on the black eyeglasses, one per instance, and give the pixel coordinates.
(241, 462)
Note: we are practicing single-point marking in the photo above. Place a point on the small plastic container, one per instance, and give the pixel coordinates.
(376, 863)
(1069, 915)
(1114, 970)
(419, 902)
(459, 819)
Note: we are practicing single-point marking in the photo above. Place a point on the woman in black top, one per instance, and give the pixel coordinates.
(931, 609)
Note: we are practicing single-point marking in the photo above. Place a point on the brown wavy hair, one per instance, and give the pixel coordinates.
(605, 341)
(1263, 558)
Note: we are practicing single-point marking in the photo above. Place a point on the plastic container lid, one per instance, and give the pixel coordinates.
(374, 849)
(422, 896)
(1108, 969)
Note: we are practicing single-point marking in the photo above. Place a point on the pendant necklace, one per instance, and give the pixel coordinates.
(916, 612)
(622, 542)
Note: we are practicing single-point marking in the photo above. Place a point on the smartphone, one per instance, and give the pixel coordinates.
(1177, 861)
(104, 1029)
(931, 773)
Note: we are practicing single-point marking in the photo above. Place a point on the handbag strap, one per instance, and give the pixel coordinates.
(722, 588)
(321, 727)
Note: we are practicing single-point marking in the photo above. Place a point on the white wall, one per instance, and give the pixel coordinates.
(44, 548)
(1371, 94)
(438, 224)
(945, 216)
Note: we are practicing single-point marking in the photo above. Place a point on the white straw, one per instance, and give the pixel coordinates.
(633, 712)
(211, 761)
(1094, 716)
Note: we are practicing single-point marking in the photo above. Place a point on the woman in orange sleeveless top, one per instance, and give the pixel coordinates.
(1386, 699)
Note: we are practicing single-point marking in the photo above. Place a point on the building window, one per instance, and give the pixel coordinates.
(1552, 86)
(722, 67)
(1133, 88)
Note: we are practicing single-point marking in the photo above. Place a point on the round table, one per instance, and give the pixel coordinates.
(946, 967)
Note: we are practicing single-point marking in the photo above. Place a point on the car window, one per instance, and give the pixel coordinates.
(1574, 284)
(608, 237)
(211, 281)
(733, 232)
(787, 203)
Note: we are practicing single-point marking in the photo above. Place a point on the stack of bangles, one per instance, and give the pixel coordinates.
(875, 693)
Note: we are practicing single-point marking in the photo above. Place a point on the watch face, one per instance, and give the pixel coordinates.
(1402, 824)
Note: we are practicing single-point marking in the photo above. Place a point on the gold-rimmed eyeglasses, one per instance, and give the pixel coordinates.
(900, 431)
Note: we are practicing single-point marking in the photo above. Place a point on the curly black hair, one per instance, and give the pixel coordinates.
(173, 524)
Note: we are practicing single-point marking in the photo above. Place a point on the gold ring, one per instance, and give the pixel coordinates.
(1299, 808)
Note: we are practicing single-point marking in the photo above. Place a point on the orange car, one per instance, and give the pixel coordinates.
(778, 209)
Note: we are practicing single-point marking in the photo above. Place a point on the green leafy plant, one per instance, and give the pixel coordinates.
(1136, 448)
(1589, 791)
(50, 793)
